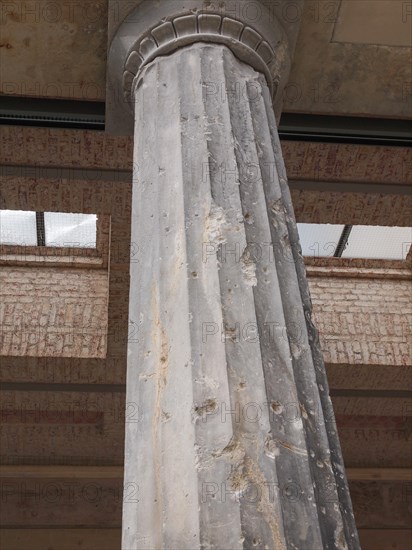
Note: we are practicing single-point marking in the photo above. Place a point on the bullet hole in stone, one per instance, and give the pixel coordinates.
(288, 492)
(167, 229)
(242, 385)
(194, 274)
(255, 542)
(163, 359)
(166, 416)
(208, 407)
(276, 407)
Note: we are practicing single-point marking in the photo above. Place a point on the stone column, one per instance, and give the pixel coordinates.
(230, 436)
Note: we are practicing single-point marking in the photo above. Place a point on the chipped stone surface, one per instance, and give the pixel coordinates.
(204, 291)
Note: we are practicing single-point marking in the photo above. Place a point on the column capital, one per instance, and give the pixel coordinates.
(252, 30)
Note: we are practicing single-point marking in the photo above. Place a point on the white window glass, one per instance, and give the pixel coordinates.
(70, 230)
(18, 228)
(384, 243)
(319, 240)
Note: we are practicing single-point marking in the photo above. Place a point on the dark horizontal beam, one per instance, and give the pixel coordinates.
(346, 129)
(102, 174)
(349, 187)
(63, 172)
(121, 388)
(52, 113)
(88, 115)
(371, 393)
(56, 387)
(116, 472)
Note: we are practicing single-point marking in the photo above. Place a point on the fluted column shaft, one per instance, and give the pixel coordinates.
(233, 444)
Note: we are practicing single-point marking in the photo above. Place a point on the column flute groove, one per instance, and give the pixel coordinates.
(234, 445)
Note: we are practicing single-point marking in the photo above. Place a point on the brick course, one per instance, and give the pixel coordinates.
(363, 321)
(53, 312)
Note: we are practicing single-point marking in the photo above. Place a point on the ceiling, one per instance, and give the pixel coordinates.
(352, 58)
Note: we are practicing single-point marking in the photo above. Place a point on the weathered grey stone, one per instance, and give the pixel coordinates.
(234, 443)
(255, 32)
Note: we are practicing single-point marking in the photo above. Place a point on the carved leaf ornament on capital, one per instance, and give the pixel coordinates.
(246, 42)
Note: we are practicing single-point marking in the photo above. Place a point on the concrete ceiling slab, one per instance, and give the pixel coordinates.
(350, 78)
(54, 49)
(379, 22)
(59, 49)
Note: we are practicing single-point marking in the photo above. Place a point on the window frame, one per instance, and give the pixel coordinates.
(337, 257)
(62, 255)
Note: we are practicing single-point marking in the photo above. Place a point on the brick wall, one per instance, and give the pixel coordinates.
(363, 321)
(55, 312)
(62, 312)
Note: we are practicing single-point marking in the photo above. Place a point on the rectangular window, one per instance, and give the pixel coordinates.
(18, 228)
(355, 241)
(70, 230)
(384, 243)
(50, 229)
(319, 240)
